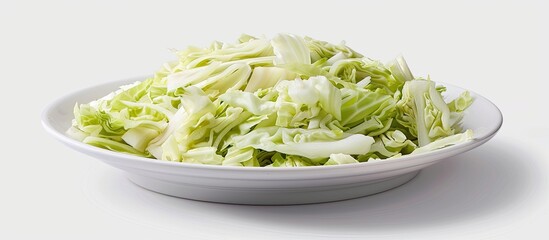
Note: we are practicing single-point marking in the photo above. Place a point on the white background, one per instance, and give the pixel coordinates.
(496, 48)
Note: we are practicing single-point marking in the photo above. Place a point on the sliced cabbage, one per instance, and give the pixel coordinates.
(446, 141)
(309, 143)
(359, 105)
(289, 101)
(325, 50)
(389, 144)
(424, 113)
(280, 160)
(266, 77)
(290, 49)
(340, 158)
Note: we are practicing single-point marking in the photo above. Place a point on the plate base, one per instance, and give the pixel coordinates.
(282, 196)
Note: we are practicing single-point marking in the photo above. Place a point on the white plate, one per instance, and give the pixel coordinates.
(268, 186)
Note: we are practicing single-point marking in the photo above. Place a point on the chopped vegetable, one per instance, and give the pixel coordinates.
(289, 101)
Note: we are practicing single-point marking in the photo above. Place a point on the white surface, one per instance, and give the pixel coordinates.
(498, 191)
(268, 186)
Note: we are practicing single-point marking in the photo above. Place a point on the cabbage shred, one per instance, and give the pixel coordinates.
(289, 101)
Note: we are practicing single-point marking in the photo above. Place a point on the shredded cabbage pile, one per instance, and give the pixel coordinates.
(289, 101)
